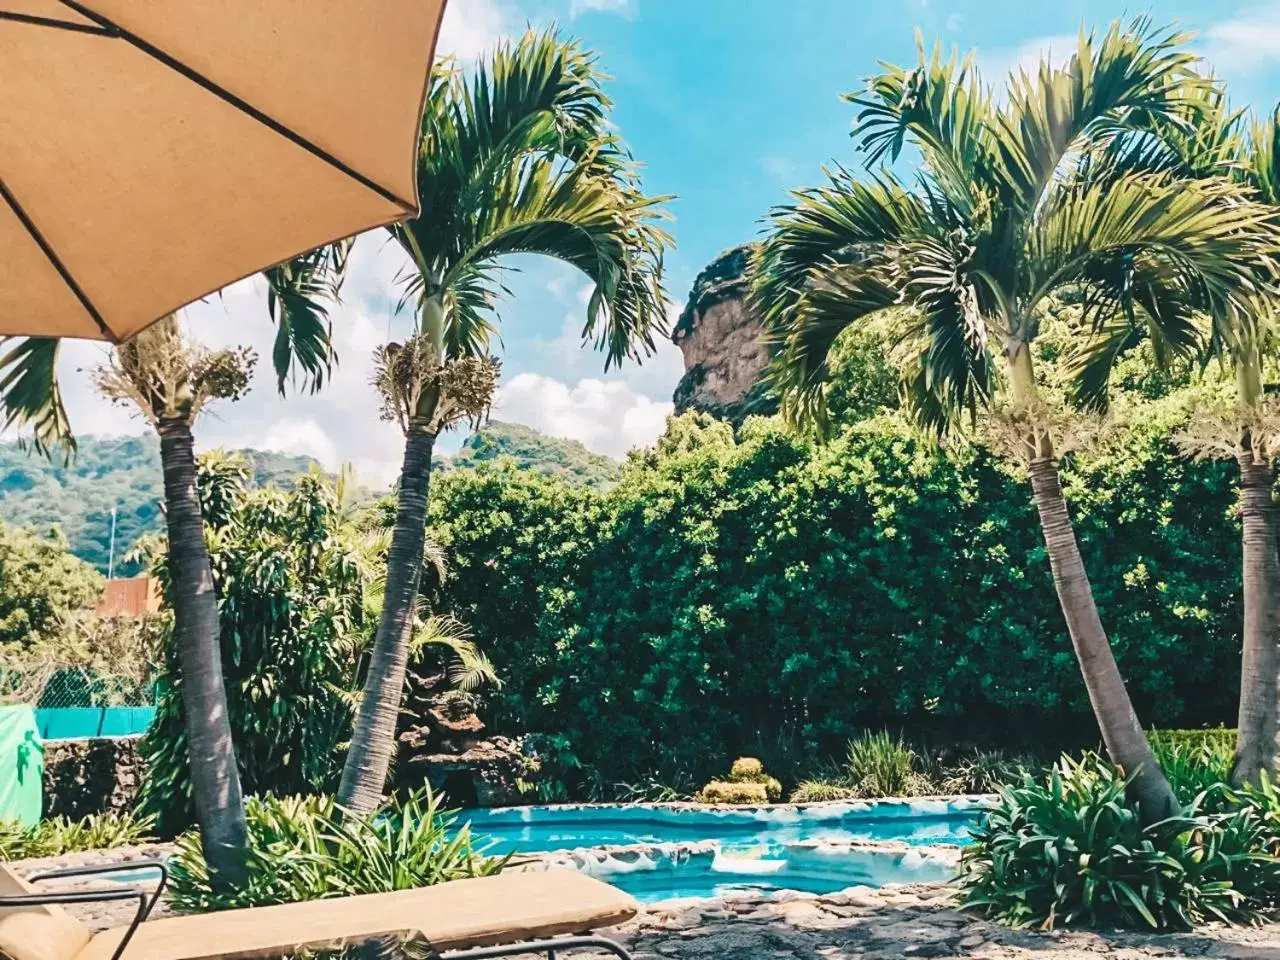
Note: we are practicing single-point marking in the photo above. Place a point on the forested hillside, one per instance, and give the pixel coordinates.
(124, 472)
(107, 472)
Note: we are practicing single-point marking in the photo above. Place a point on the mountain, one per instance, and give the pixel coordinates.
(124, 472)
(551, 456)
(107, 472)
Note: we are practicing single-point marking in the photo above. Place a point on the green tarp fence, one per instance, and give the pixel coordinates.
(73, 723)
(21, 765)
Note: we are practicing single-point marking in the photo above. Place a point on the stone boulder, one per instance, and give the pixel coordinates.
(444, 744)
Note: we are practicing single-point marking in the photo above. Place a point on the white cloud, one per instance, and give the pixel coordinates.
(305, 436)
(579, 7)
(606, 416)
(996, 65)
(471, 27)
(1247, 41)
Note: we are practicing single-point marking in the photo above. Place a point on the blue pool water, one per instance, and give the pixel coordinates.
(539, 829)
(768, 848)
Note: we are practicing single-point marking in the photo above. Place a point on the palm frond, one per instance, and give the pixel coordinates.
(467, 667)
(1133, 76)
(30, 395)
(299, 293)
(1261, 163)
(1202, 238)
(941, 106)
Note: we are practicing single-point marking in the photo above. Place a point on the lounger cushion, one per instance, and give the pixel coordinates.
(36, 933)
(463, 913)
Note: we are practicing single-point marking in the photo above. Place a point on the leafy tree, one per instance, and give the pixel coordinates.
(761, 592)
(291, 575)
(1015, 201)
(517, 157)
(40, 585)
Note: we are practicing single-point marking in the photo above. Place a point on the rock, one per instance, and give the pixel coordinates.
(443, 744)
(84, 777)
(719, 335)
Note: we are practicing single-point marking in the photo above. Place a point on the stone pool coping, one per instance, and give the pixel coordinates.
(885, 808)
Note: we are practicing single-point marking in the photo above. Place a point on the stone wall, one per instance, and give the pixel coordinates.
(83, 777)
(719, 335)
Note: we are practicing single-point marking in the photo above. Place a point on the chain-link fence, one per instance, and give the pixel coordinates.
(95, 677)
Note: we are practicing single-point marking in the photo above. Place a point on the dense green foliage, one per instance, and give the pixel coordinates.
(53, 838)
(748, 589)
(40, 585)
(1070, 850)
(307, 848)
(106, 472)
(530, 450)
(291, 577)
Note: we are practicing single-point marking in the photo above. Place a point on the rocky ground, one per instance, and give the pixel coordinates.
(891, 922)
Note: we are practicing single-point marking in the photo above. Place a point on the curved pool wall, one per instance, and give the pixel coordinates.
(704, 870)
(736, 829)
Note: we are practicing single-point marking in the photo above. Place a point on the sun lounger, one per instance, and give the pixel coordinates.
(505, 915)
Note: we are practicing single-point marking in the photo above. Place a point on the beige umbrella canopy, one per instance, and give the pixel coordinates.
(154, 151)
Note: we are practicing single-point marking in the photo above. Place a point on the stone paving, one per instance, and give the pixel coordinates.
(895, 921)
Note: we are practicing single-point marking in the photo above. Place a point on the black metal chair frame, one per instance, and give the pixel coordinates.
(146, 903)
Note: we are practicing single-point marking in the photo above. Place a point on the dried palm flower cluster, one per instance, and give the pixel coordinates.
(1216, 431)
(168, 377)
(419, 391)
(1018, 430)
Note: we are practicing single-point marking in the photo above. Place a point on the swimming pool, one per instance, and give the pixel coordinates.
(672, 851)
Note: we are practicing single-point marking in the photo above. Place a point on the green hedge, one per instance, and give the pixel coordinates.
(756, 594)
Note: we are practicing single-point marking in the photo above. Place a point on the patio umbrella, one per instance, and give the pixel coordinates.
(154, 151)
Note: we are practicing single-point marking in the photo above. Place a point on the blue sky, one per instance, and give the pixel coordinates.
(728, 103)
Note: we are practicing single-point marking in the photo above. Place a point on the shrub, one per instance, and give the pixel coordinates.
(291, 579)
(882, 765)
(1195, 765)
(1071, 851)
(747, 770)
(308, 848)
(731, 791)
(822, 791)
(55, 837)
(734, 589)
(747, 783)
(984, 771)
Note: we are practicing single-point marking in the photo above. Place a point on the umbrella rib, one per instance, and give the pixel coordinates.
(56, 24)
(243, 106)
(54, 259)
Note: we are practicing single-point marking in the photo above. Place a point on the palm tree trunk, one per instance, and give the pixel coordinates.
(215, 779)
(1126, 744)
(373, 741)
(1256, 727)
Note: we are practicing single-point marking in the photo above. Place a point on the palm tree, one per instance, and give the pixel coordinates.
(1221, 144)
(170, 382)
(516, 158)
(1013, 203)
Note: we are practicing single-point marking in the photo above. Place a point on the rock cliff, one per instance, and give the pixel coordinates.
(719, 335)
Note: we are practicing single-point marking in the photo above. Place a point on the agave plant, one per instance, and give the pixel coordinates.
(1016, 200)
